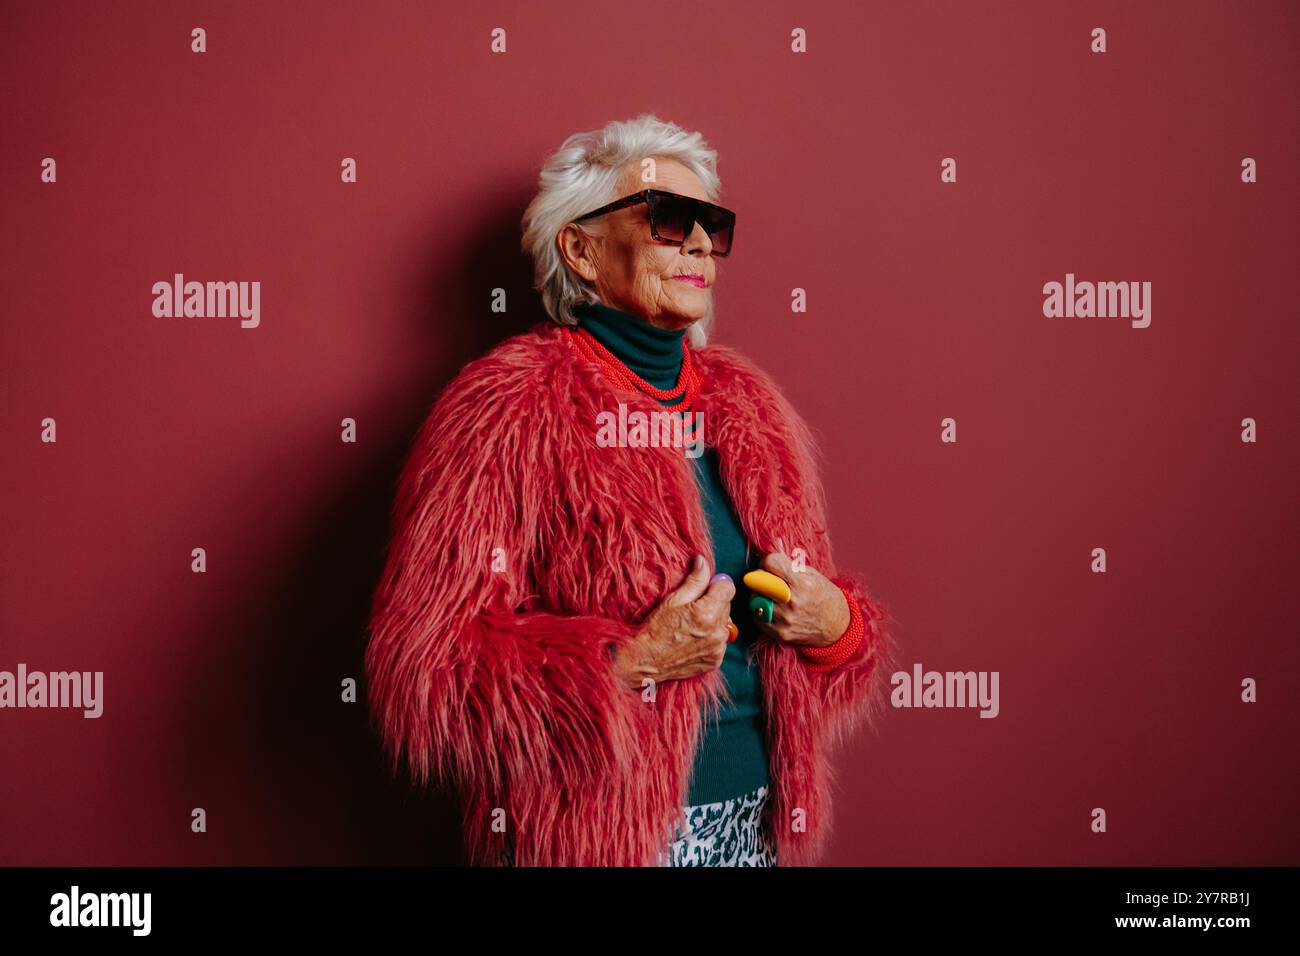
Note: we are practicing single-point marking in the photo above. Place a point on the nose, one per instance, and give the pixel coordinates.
(698, 242)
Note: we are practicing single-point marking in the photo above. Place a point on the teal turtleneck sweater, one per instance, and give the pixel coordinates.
(732, 757)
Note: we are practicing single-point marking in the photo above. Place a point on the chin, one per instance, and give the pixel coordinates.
(690, 313)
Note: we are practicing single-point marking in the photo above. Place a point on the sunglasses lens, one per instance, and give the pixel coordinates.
(674, 219)
(720, 225)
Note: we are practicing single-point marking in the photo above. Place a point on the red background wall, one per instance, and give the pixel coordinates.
(221, 689)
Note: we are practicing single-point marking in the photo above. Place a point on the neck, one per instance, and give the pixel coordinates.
(653, 353)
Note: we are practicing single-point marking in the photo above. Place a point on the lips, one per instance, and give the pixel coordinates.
(695, 280)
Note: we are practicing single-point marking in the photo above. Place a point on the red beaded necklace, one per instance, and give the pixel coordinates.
(688, 381)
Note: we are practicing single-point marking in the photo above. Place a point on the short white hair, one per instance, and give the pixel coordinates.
(582, 175)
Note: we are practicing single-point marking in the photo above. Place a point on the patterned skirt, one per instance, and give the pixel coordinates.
(736, 832)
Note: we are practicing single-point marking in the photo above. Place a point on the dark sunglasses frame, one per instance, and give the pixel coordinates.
(653, 197)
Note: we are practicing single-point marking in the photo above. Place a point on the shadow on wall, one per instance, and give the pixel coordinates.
(305, 767)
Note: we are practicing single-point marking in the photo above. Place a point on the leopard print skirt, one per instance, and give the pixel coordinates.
(735, 832)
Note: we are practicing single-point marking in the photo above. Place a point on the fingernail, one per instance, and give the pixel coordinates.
(720, 577)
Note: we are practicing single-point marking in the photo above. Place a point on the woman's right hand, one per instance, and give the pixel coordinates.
(685, 635)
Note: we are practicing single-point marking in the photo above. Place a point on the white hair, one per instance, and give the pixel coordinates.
(582, 175)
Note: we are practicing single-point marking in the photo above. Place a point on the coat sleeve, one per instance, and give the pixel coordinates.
(468, 681)
(834, 701)
(856, 691)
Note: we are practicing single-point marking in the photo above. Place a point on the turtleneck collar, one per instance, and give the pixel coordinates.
(651, 352)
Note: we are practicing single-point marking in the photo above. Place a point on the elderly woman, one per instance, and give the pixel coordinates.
(563, 629)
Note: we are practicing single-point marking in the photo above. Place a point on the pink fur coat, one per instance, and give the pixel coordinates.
(521, 549)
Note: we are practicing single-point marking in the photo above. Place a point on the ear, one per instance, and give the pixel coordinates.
(575, 249)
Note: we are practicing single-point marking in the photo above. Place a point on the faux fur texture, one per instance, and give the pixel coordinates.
(489, 669)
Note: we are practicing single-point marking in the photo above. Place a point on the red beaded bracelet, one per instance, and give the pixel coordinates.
(831, 656)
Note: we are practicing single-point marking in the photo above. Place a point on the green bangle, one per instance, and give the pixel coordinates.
(762, 608)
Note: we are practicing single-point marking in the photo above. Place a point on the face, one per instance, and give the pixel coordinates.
(633, 271)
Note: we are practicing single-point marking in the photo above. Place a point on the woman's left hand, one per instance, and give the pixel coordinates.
(817, 613)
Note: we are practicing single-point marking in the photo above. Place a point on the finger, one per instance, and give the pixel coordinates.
(716, 601)
(782, 619)
(696, 583)
(766, 630)
(723, 582)
(783, 622)
(779, 563)
(723, 585)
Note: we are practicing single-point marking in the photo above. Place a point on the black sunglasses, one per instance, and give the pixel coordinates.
(673, 217)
